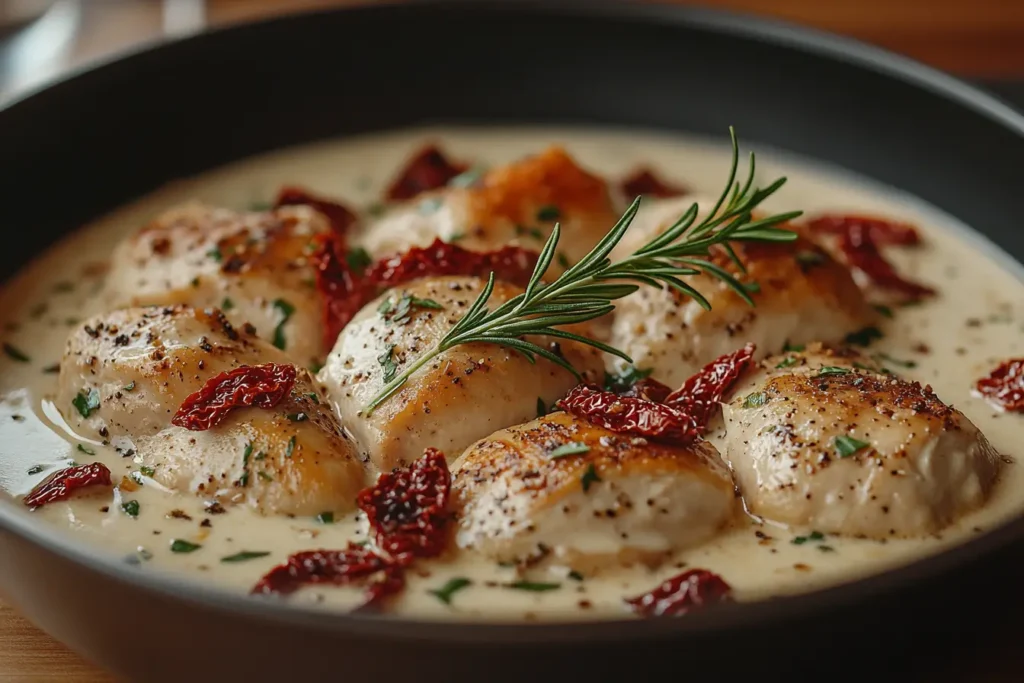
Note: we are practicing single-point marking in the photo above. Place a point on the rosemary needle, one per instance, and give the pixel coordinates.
(587, 290)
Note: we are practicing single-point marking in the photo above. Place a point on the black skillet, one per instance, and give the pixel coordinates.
(106, 135)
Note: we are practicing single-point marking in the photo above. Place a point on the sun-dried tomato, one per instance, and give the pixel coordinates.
(340, 217)
(649, 389)
(344, 293)
(408, 508)
(861, 252)
(428, 169)
(60, 485)
(1004, 386)
(630, 415)
(682, 594)
(700, 395)
(643, 181)
(882, 231)
(258, 386)
(337, 567)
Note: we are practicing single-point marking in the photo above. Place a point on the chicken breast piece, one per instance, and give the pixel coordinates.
(125, 374)
(617, 499)
(254, 266)
(462, 395)
(821, 439)
(517, 204)
(801, 294)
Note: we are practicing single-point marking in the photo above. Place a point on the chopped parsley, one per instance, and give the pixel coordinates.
(884, 310)
(563, 260)
(809, 258)
(286, 310)
(847, 445)
(131, 508)
(568, 449)
(549, 213)
(793, 347)
(36, 469)
(245, 555)
(313, 397)
(261, 455)
(789, 362)
(453, 586)
(195, 282)
(755, 400)
(15, 353)
(325, 518)
(130, 386)
(148, 471)
(265, 476)
(826, 549)
(180, 546)
(358, 260)
(589, 478)
(290, 448)
(456, 236)
(86, 450)
(896, 361)
(52, 369)
(227, 304)
(575, 575)
(832, 370)
(297, 417)
(215, 254)
(397, 313)
(625, 378)
(316, 366)
(542, 409)
(864, 337)
(752, 287)
(86, 402)
(813, 536)
(533, 586)
(388, 363)
(246, 453)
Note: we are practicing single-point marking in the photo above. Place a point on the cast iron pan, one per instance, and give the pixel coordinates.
(104, 136)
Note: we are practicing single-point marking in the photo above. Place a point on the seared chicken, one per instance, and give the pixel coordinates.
(821, 439)
(516, 205)
(801, 295)
(460, 396)
(614, 499)
(254, 266)
(125, 374)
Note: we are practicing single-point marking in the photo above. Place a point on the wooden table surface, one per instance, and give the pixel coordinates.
(981, 38)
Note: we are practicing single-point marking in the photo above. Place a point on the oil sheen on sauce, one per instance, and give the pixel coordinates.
(976, 321)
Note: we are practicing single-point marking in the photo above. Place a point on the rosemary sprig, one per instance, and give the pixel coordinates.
(586, 290)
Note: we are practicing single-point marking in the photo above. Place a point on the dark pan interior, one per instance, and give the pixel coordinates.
(80, 148)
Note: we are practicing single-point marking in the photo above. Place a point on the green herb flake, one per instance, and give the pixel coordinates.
(262, 455)
(884, 310)
(376, 209)
(86, 450)
(542, 409)
(290, 448)
(535, 233)
(789, 362)
(864, 337)
(195, 282)
(180, 546)
(625, 378)
(847, 445)
(245, 556)
(832, 370)
(36, 469)
(795, 348)
(131, 508)
(575, 575)
(456, 237)
(826, 549)
(52, 369)
(533, 586)
(286, 310)
(752, 287)
(148, 471)
(215, 254)
(297, 417)
(398, 313)
(884, 357)
(358, 260)
(86, 402)
(549, 213)
(563, 260)
(244, 479)
(130, 386)
(568, 449)
(809, 258)
(227, 304)
(388, 363)
(755, 400)
(265, 476)
(246, 452)
(313, 397)
(325, 518)
(316, 366)
(450, 588)
(15, 353)
(589, 478)
(429, 205)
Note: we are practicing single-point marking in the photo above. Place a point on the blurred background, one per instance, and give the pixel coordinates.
(982, 40)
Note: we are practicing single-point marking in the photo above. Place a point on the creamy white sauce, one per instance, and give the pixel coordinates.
(973, 324)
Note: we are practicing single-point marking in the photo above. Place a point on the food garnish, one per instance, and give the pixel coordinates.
(259, 386)
(682, 594)
(61, 484)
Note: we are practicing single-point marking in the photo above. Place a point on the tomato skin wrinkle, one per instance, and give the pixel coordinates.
(344, 293)
(643, 181)
(1004, 386)
(701, 394)
(63, 483)
(408, 508)
(682, 594)
(630, 415)
(882, 231)
(340, 217)
(428, 169)
(257, 386)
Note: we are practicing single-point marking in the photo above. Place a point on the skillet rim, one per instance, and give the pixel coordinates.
(812, 44)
